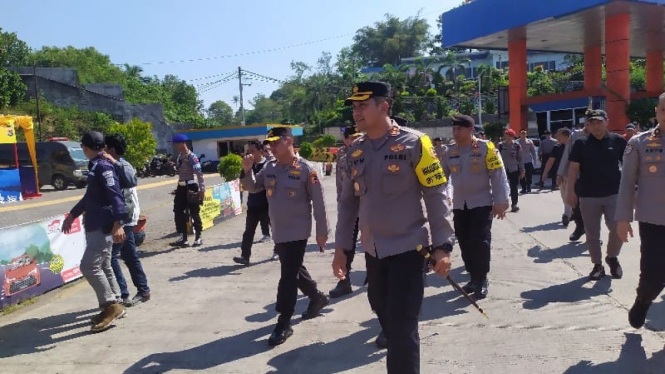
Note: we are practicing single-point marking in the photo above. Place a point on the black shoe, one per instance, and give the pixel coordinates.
(315, 305)
(481, 290)
(182, 242)
(615, 267)
(381, 341)
(597, 272)
(565, 220)
(280, 334)
(343, 288)
(515, 208)
(576, 235)
(470, 287)
(197, 242)
(523, 192)
(638, 313)
(241, 260)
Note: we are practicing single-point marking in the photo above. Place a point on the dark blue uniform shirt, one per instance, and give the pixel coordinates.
(102, 202)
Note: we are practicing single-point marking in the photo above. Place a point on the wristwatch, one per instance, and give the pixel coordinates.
(446, 247)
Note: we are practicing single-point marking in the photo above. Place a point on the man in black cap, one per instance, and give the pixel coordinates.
(344, 285)
(393, 170)
(596, 160)
(105, 215)
(189, 194)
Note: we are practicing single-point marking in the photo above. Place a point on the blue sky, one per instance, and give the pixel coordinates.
(140, 31)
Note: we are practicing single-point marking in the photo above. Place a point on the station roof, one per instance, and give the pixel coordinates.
(250, 131)
(566, 26)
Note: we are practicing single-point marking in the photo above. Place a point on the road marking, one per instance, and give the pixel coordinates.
(76, 198)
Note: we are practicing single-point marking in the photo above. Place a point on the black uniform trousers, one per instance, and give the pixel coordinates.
(652, 261)
(513, 181)
(352, 253)
(294, 276)
(473, 228)
(528, 177)
(577, 211)
(395, 291)
(254, 216)
(180, 208)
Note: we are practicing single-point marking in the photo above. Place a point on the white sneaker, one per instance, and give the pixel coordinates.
(274, 257)
(198, 242)
(265, 238)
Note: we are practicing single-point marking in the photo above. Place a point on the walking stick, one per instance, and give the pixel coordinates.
(456, 286)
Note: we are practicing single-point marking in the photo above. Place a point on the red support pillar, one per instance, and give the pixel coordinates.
(655, 71)
(517, 84)
(593, 68)
(617, 68)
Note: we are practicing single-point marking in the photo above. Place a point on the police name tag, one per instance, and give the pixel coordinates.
(428, 170)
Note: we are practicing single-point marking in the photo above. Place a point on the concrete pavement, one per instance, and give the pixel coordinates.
(208, 315)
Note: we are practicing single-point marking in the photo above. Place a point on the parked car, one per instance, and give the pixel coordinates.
(61, 162)
(22, 274)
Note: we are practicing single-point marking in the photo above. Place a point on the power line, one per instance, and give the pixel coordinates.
(244, 53)
(210, 76)
(263, 77)
(229, 76)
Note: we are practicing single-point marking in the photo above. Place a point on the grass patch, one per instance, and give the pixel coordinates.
(13, 308)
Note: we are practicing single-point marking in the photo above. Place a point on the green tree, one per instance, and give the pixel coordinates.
(266, 110)
(13, 51)
(230, 166)
(141, 144)
(91, 65)
(220, 113)
(642, 112)
(389, 40)
(306, 150)
(12, 88)
(539, 82)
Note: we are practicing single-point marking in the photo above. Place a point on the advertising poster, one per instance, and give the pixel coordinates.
(221, 202)
(38, 257)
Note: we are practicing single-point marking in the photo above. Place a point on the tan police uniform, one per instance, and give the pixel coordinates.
(644, 168)
(511, 155)
(479, 181)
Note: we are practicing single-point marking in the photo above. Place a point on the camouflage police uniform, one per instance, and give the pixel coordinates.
(511, 155)
(188, 166)
(294, 192)
(479, 181)
(644, 168)
(390, 178)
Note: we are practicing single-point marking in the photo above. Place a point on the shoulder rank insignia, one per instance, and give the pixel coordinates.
(357, 153)
(394, 131)
(628, 150)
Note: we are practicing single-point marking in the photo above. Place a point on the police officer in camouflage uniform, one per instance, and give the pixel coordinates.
(188, 165)
(480, 186)
(393, 169)
(344, 285)
(293, 190)
(644, 168)
(511, 155)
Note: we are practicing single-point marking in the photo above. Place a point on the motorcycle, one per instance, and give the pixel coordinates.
(160, 165)
(207, 166)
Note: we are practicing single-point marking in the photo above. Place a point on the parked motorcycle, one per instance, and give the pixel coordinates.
(207, 166)
(160, 165)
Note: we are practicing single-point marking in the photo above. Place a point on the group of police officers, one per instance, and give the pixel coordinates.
(398, 190)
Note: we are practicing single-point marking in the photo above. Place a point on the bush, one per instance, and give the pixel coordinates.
(229, 167)
(306, 150)
(140, 142)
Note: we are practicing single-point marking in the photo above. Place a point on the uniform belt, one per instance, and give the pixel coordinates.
(184, 183)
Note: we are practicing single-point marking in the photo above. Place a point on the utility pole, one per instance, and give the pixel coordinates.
(480, 102)
(39, 114)
(242, 108)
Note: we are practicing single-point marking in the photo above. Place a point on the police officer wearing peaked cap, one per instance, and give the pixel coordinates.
(294, 192)
(188, 166)
(480, 186)
(393, 169)
(350, 133)
(644, 169)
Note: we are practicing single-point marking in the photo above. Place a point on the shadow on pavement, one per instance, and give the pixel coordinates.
(632, 359)
(38, 334)
(544, 227)
(350, 352)
(656, 316)
(208, 355)
(146, 254)
(446, 304)
(220, 246)
(545, 256)
(570, 292)
(219, 271)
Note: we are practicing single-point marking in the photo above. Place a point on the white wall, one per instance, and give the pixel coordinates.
(207, 146)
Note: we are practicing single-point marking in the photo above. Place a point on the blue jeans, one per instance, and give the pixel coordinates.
(127, 251)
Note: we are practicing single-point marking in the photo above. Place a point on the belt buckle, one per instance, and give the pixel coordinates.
(182, 183)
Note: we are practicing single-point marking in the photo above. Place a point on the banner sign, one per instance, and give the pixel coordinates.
(221, 202)
(10, 186)
(38, 257)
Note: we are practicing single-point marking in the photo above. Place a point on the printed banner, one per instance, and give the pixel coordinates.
(7, 132)
(38, 257)
(221, 202)
(10, 186)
